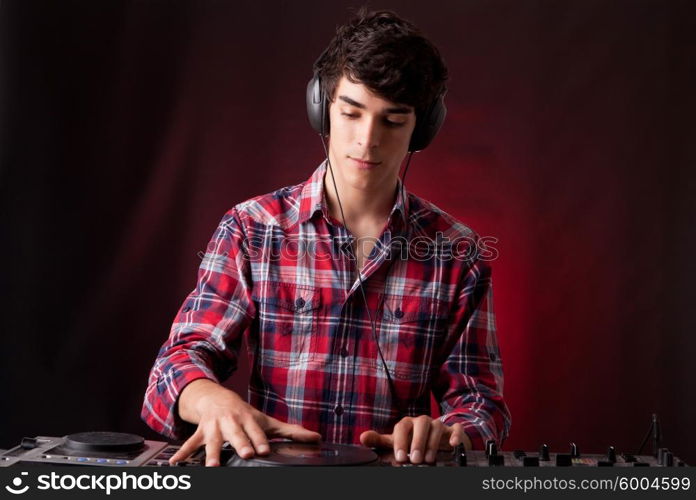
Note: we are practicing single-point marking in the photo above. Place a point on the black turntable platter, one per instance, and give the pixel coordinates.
(284, 454)
(104, 441)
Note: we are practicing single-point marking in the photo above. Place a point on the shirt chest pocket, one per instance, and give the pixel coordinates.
(287, 323)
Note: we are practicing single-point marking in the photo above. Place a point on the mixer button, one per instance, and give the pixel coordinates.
(530, 461)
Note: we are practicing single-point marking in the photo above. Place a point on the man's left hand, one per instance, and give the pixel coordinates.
(418, 438)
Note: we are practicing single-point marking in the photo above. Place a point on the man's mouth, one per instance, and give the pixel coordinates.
(364, 164)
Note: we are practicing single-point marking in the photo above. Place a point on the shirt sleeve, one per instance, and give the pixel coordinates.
(469, 384)
(206, 334)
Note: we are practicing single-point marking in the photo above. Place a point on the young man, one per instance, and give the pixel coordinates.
(350, 326)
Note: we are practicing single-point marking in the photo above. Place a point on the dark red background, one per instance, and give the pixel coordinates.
(128, 129)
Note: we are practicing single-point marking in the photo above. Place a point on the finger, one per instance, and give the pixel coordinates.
(235, 434)
(298, 433)
(437, 428)
(276, 428)
(189, 447)
(257, 436)
(455, 435)
(373, 439)
(402, 437)
(212, 450)
(421, 430)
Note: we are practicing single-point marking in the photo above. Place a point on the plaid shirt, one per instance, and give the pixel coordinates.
(280, 270)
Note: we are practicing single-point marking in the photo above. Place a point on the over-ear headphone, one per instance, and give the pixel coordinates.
(428, 123)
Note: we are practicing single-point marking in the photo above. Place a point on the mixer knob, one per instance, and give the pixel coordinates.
(496, 460)
(611, 455)
(491, 448)
(544, 453)
(574, 452)
(460, 455)
(668, 459)
(29, 443)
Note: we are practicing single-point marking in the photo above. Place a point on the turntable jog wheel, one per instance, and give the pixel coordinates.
(104, 441)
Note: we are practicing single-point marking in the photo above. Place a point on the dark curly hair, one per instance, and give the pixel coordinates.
(388, 55)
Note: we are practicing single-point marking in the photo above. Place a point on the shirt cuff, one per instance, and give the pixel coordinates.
(179, 428)
(474, 431)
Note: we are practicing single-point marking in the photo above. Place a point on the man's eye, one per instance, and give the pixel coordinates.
(388, 123)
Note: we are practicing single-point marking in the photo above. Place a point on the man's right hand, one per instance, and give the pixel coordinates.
(222, 416)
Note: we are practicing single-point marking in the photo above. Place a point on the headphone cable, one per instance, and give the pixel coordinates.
(362, 289)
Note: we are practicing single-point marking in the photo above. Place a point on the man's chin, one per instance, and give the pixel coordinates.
(361, 179)
(357, 178)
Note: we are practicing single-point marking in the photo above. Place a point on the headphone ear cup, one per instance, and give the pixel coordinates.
(428, 124)
(316, 106)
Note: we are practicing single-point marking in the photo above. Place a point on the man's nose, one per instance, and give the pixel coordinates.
(369, 133)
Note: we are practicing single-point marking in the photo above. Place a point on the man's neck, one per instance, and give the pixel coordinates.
(364, 209)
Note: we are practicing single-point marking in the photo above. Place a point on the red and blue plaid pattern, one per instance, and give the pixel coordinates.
(280, 270)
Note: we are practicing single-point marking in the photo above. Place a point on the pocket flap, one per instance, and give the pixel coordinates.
(297, 298)
(406, 309)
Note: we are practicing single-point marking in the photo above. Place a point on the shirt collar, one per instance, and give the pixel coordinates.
(312, 200)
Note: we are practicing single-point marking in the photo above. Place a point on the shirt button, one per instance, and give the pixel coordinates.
(344, 352)
(186, 309)
(398, 314)
(338, 410)
(493, 357)
(300, 302)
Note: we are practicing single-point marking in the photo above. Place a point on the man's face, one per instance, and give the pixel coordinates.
(369, 137)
